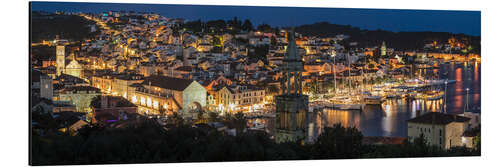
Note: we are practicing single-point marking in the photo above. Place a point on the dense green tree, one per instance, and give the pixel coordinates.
(235, 25)
(148, 142)
(266, 28)
(477, 143)
(176, 119)
(239, 121)
(247, 25)
(71, 27)
(217, 26)
(338, 142)
(194, 26)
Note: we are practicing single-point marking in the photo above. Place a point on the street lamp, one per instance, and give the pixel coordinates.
(467, 102)
(445, 90)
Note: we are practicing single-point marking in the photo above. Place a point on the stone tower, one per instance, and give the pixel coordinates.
(291, 104)
(383, 49)
(60, 59)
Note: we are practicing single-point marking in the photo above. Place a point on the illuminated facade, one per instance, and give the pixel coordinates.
(174, 94)
(60, 59)
(318, 68)
(80, 96)
(291, 104)
(150, 103)
(383, 49)
(117, 85)
(74, 68)
(442, 130)
(239, 98)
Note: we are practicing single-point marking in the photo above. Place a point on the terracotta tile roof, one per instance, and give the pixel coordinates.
(184, 68)
(75, 89)
(438, 118)
(170, 83)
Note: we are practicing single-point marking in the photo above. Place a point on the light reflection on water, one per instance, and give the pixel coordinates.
(389, 119)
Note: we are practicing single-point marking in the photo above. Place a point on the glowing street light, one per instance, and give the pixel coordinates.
(467, 100)
(445, 90)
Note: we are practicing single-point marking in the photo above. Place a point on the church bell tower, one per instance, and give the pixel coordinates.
(291, 104)
(60, 59)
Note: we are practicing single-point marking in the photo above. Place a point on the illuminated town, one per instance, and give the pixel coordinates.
(235, 77)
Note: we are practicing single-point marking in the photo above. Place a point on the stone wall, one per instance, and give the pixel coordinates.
(194, 93)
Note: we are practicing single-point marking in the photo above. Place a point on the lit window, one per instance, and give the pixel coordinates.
(143, 101)
(148, 102)
(155, 104)
(134, 99)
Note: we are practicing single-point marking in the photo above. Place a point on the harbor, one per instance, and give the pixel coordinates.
(398, 103)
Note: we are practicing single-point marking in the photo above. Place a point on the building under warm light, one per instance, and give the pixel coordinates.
(109, 108)
(318, 68)
(439, 129)
(239, 98)
(173, 94)
(80, 96)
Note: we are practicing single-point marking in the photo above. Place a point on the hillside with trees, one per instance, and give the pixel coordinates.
(397, 40)
(45, 26)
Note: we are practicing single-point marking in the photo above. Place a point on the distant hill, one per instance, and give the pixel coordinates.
(398, 40)
(45, 26)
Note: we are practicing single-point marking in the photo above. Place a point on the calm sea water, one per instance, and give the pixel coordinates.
(390, 118)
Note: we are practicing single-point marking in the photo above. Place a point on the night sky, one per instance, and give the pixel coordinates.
(467, 22)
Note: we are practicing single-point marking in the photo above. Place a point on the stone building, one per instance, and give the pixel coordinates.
(439, 129)
(63, 66)
(60, 59)
(41, 85)
(153, 103)
(291, 104)
(80, 96)
(239, 98)
(187, 94)
(74, 68)
(112, 108)
(117, 85)
(383, 49)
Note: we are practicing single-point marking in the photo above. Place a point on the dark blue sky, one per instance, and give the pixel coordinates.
(467, 22)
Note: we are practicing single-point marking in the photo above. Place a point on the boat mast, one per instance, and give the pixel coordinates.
(349, 68)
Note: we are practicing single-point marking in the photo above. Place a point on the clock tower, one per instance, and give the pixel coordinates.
(60, 59)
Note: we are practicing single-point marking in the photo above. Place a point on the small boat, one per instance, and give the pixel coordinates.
(435, 98)
(348, 106)
(390, 96)
(374, 100)
(451, 81)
